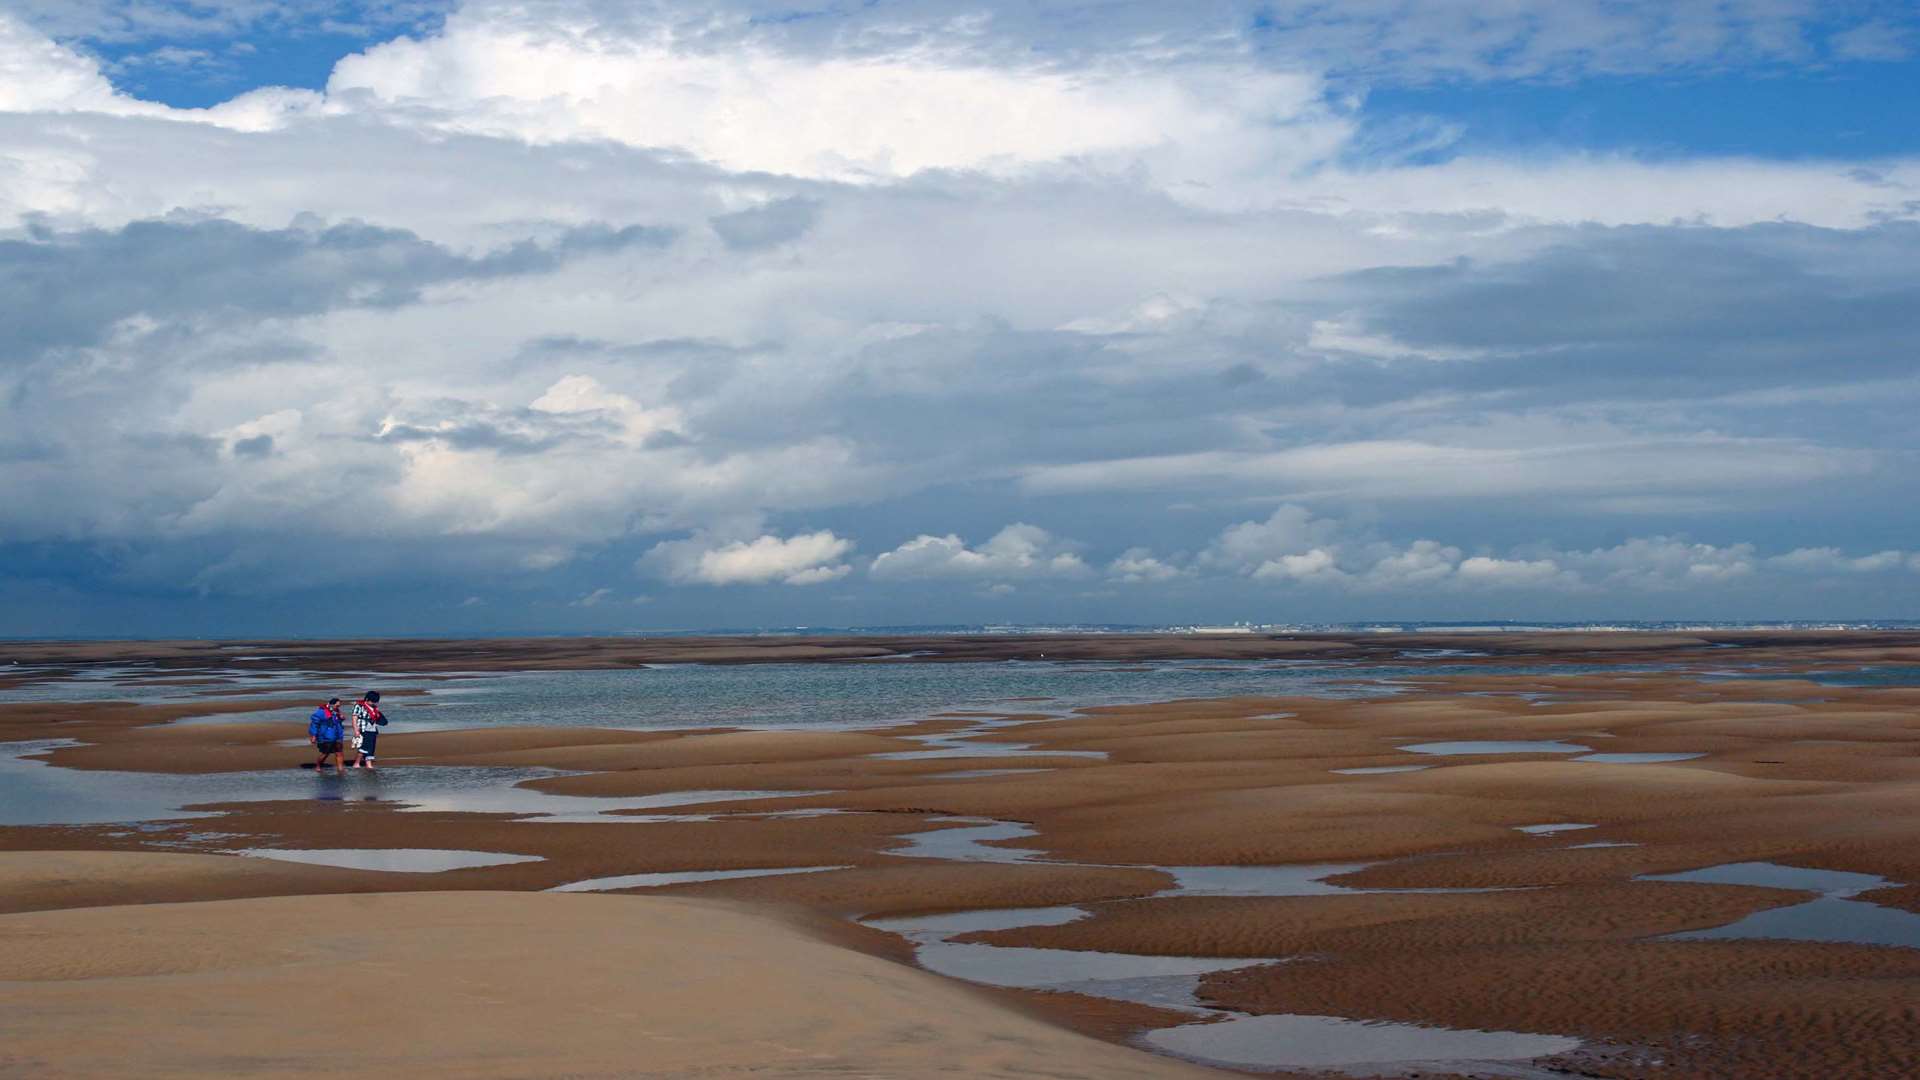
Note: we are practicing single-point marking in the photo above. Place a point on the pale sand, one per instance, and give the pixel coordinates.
(45, 880)
(486, 984)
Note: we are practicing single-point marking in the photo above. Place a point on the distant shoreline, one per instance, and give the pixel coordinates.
(1422, 627)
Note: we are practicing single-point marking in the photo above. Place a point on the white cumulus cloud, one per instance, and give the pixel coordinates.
(856, 117)
(1139, 566)
(1519, 573)
(1831, 560)
(804, 559)
(1017, 551)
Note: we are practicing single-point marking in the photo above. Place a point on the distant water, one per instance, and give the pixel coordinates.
(864, 693)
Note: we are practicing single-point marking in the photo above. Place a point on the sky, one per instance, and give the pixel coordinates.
(411, 316)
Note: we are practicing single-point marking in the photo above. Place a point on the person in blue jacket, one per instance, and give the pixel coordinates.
(326, 730)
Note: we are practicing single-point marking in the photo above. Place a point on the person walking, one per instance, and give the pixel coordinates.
(326, 728)
(367, 722)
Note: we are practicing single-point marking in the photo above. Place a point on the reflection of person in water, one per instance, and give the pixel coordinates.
(367, 722)
(325, 730)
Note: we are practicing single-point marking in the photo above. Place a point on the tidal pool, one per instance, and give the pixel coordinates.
(36, 793)
(1498, 746)
(684, 877)
(969, 844)
(1548, 830)
(1172, 982)
(1258, 880)
(1363, 1047)
(392, 860)
(1833, 917)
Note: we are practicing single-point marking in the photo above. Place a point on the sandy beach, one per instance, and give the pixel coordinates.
(488, 984)
(1290, 850)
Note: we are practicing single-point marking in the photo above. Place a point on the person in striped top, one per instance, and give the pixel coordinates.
(367, 722)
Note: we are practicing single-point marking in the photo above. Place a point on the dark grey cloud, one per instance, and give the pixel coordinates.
(257, 446)
(1595, 333)
(766, 226)
(71, 288)
(1651, 310)
(1650, 283)
(524, 433)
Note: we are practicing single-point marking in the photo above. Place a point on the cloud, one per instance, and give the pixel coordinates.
(254, 446)
(1315, 566)
(1559, 40)
(1139, 566)
(1661, 303)
(1294, 547)
(771, 225)
(1831, 560)
(1874, 40)
(1016, 551)
(473, 302)
(75, 288)
(1621, 464)
(1289, 530)
(832, 116)
(803, 559)
(1516, 573)
(1663, 562)
(121, 22)
(1422, 562)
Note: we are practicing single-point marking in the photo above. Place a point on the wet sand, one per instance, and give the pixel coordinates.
(1789, 771)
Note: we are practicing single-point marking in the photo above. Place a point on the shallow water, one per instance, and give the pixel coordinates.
(396, 860)
(1372, 770)
(835, 694)
(976, 774)
(1833, 917)
(152, 686)
(36, 793)
(1886, 675)
(684, 877)
(1307, 880)
(969, 843)
(1766, 875)
(1352, 1046)
(1061, 969)
(971, 742)
(1829, 919)
(1549, 830)
(955, 923)
(1636, 759)
(1172, 982)
(983, 749)
(1498, 746)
